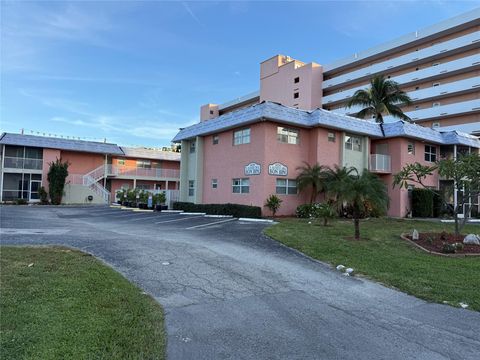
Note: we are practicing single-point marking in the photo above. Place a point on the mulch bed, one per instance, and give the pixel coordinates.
(434, 242)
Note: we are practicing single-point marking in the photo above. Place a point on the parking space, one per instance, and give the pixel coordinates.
(121, 217)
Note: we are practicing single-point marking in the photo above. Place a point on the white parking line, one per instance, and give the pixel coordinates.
(183, 218)
(116, 216)
(210, 224)
(142, 218)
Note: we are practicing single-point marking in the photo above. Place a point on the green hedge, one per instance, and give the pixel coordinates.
(422, 203)
(235, 210)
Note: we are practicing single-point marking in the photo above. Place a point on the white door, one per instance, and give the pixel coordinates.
(34, 187)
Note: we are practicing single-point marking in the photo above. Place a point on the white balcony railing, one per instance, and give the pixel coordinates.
(137, 172)
(380, 163)
(446, 47)
(22, 163)
(418, 95)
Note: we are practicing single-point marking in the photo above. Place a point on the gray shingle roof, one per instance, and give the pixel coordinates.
(62, 144)
(320, 117)
(152, 154)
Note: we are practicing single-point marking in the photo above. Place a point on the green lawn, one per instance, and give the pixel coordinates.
(383, 256)
(69, 305)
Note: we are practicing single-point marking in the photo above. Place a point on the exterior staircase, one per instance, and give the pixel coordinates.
(91, 180)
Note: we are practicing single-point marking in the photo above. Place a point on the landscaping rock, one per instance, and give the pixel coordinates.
(415, 235)
(30, 265)
(349, 271)
(472, 239)
(340, 267)
(463, 305)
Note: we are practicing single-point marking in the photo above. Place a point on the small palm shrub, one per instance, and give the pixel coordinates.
(273, 203)
(326, 212)
(42, 193)
(159, 199)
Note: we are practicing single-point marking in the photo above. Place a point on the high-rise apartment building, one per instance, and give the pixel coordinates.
(438, 66)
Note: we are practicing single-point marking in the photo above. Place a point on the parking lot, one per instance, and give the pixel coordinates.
(230, 292)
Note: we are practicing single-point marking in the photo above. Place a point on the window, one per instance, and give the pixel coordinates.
(411, 148)
(143, 186)
(353, 143)
(416, 69)
(211, 112)
(296, 95)
(430, 153)
(144, 164)
(435, 104)
(191, 187)
(436, 64)
(241, 137)
(241, 186)
(286, 187)
(192, 147)
(214, 183)
(286, 135)
(296, 80)
(331, 137)
(215, 139)
(435, 125)
(417, 87)
(121, 162)
(417, 107)
(436, 84)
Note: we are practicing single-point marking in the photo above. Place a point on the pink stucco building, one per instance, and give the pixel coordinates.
(246, 155)
(96, 170)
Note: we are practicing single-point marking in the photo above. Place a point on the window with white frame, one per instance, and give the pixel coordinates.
(287, 135)
(144, 164)
(353, 142)
(430, 153)
(191, 187)
(214, 183)
(215, 139)
(241, 137)
(144, 186)
(241, 186)
(435, 104)
(286, 187)
(331, 137)
(192, 147)
(411, 148)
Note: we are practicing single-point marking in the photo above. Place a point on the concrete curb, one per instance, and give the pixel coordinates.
(219, 216)
(192, 213)
(258, 220)
(172, 211)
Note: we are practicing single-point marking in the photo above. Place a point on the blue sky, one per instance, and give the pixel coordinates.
(134, 72)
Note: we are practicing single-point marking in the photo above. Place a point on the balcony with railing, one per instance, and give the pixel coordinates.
(380, 163)
(130, 172)
(461, 43)
(11, 162)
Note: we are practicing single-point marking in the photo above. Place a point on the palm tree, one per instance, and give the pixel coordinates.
(383, 97)
(358, 190)
(312, 176)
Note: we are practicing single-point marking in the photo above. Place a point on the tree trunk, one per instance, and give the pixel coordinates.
(325, 221)
(314, 194)
(356, 223)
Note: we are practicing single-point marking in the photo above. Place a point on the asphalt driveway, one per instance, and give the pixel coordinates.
(231, 293)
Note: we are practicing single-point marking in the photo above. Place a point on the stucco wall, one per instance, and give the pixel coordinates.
(82, 163)
(78, 194)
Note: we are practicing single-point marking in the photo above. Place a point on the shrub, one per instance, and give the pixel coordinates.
(57, 174)
(42, 193)
(273, 202)
(306, 211)
(132, 195)
(449, 248)
(21, 201)
(122, 195)
(143, 196)
(422, 203)
(235, 210)
(326, 212)
(159, 199)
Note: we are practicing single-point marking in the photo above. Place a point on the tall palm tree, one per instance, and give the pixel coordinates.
(313, 177)
(383, 97)
(358, 190)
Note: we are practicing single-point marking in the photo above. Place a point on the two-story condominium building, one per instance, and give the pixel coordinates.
(438, 66)
(96, 169)
(245, 155)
